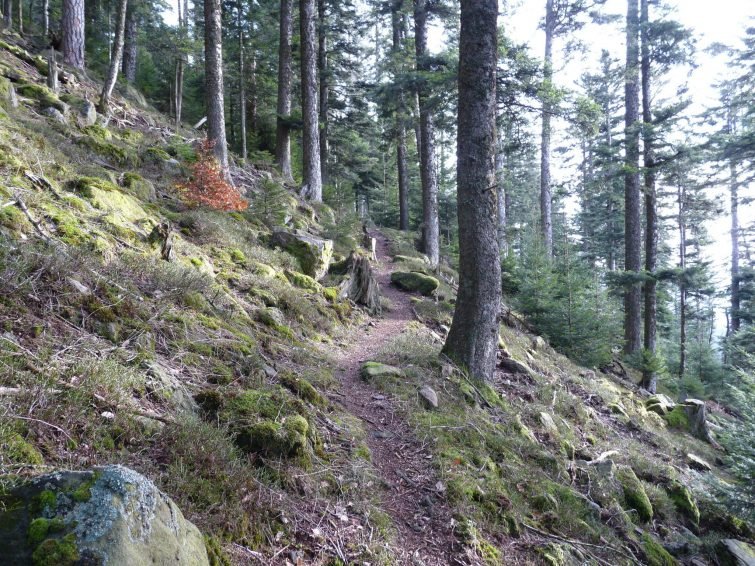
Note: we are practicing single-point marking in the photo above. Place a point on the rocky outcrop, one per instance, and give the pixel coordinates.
(109, 516)
(732, 552)
(314, 254)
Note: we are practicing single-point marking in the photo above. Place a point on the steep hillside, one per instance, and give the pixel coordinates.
(200, 349)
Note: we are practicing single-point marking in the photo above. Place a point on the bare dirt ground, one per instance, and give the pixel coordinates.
(412, 495)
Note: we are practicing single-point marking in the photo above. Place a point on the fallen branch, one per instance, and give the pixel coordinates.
(581, 543)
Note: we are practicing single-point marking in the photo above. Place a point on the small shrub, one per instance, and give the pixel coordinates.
(208, 186)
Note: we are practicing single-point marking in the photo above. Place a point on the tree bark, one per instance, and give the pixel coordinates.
(130, 46)
(52, 70)
(682, 285)
(736, 316)
(213, 53)
(322, 66)
(500, 169)
(115, 60)
(8, 14)
(401, 162)
(649, 377)
(72, 44)
(473, 338)
(242, 92)
(428, 175)
(46, 17)
(632, 224)
(282, 132)
(546, 197)
(311, 135)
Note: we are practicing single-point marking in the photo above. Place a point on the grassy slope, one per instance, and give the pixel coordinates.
(263, 460)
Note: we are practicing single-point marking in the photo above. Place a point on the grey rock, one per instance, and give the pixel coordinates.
(548, 424)
(110, 516)
(165, 383)
(314, 254)
(660, 404)
(429, 397)
(87, 114)
(697, 463)
(373, 370)
(732, 552)
(55, 114)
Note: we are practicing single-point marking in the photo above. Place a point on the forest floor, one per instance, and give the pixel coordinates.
(413, 495)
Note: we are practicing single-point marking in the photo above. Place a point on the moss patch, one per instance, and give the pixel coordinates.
(655, 554)
(415, 281)
(634, 494)
(684, 502)
(16, 450)
(56, 552)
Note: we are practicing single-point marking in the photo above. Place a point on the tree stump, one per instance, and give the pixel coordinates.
(362, 286)
(52, 71)
(162, 235)
(698, 424)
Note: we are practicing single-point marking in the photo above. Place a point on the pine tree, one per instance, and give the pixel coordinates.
(473, 338)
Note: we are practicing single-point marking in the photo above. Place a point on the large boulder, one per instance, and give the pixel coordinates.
(313, 253)
(414, 281)
(732, 552)
(109, 516)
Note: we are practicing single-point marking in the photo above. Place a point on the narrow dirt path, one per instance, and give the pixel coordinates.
(418, 509)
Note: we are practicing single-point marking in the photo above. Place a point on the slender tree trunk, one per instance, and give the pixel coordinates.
(311, 135)
(401, 163)
(682, 284)
(500, 169)
(632, 224)
(52, 70)
(179, 91)
(8, 14)
(213, 54)
(130, 46)
(115, 61)
(253, 94)
(322, 66)
(736, 316)
(21, 16)
(242, 92)
(46, 17)
(473, 338)
(546, 197)
(282, 131)
(649, 377)
(73, 33)
(428, 175)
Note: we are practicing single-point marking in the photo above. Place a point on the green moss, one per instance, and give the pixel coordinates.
(138, 186)
(18, 451)
(9, 157)
(267, 298)
(45, 501)
(76, 203)
(264, 270)
(57, 552)
(156, 155)
(634, 494)
(677, 418)
(41, 94)
(237, 256)
(684, 502)
(303, 281)
(330, 293)
(83, 492)
(196, 261)
(99, 132)
(373, 370)
(414, 281)
(40, 527)
(12, 218)
(470, 536)
(86, 186)
(655, 554)
(215, 552)
(122, 156)
(303, 388)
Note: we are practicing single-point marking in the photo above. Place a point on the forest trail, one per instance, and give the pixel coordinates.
(411, 494)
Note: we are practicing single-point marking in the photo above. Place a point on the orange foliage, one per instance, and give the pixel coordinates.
(207, 186)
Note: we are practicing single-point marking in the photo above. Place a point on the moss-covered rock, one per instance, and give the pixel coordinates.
(731, 552)
(634, 494)
(138, 186)
(301, 387)
(264, 270)
(375, 370)
(684, 502)
(655, 554)
(314, 254)
(43, 95)
(303, 281)
(415, 282)
(111, 515)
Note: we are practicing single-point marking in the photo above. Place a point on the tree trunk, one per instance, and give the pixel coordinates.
(283, 133)
(242, 93)
(546, 197)
(682, 284)
(130, 46)
(649, 377)
(213, 54)
(311, 135)
(401, 163)
(428, 176)
(632, 224)
(473, 338)
(179, 91)
(72, 23)
(115, 61)
(736, 316)
(322, 66)
(52, 71)
(8, 14)
(46, 17)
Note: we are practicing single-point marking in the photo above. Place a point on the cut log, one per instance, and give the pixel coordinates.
(698, 424)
